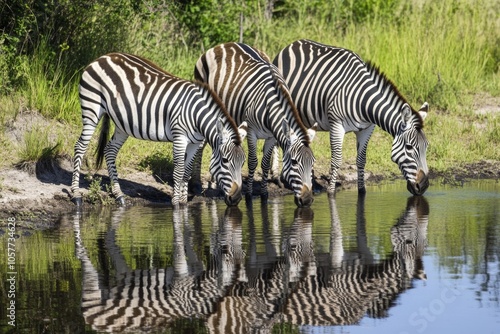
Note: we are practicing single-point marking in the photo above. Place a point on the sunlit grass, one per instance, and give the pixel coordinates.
(49, 88)
(38, 146)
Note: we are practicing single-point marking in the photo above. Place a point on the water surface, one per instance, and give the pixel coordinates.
(386, 262)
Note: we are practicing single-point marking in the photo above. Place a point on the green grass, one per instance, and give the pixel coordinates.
(37, 146)
(49, 88)
(444, 52)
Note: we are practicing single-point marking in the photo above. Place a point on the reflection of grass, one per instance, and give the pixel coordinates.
(134, 235)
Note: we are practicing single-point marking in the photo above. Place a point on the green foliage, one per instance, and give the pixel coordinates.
(339, 13)
(84, 28)
(210, 21)
(96, 195)
(49, 86)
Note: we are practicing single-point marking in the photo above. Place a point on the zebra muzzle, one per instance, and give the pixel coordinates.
(305, 199)
(234, 195)
(421, 184)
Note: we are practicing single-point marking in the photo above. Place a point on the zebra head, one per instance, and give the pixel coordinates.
(227, 160)
(409, 149)
(298, 161)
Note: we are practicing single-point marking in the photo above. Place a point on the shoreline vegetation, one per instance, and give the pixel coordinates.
(444, 52)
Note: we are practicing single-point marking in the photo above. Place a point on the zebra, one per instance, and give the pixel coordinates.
(145, 102)
(254, 91)
(334, 87)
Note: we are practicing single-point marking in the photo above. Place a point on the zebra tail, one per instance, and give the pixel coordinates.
(103, 140)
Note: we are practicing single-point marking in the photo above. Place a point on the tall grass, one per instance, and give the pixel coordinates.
(49, 88)
(37, 145)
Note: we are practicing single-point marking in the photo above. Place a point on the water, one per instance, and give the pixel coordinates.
(386, 262)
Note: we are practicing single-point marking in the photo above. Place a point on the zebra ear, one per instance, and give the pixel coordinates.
(223, 135)
(405, 115)
(243, 130)
(311, 132)
(424, 109)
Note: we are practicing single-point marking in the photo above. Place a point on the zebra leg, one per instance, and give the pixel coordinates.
(195, 184)
(180, 195)
(80, 149)
(180, 264)
(252, 162)
(269, 144)
(91, 291)
(110, 153)
(362, 138)
(337, 133)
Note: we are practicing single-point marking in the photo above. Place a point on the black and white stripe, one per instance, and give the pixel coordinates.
(145, 102)
(254, 91)
(335, 88)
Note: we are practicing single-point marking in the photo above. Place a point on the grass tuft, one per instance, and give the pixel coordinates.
(96, 195)
(37, 150)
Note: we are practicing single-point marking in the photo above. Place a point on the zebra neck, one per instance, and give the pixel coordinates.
(387, 117)
(207, 118)
(209, 131)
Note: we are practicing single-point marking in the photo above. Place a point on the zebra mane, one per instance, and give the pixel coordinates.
(148, 62)
(222, 107)
(386, 84)
(295, 112)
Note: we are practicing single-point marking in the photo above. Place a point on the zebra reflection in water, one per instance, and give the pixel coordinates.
(156, 297)
(350, 285)
(240, 288)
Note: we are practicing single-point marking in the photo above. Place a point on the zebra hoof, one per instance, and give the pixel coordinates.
(78, 201)
(120, 200)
